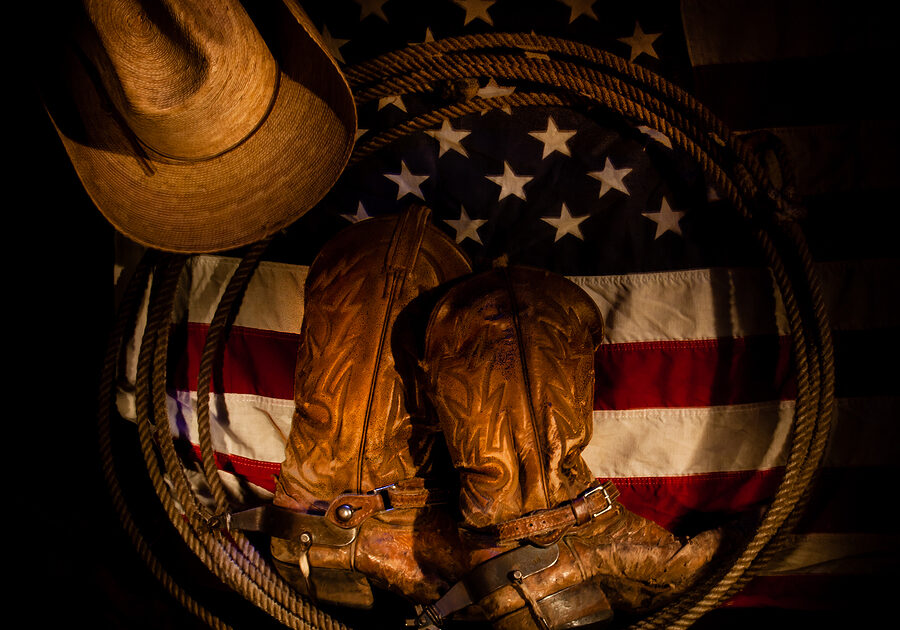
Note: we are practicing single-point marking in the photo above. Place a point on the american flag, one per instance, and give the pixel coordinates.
(695, 386)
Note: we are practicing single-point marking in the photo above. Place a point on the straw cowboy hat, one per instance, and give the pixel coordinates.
(195, 128)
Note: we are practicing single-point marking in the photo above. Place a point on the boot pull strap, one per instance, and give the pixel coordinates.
(338, 525)
(350, 509)
(405, 245)
(596, 501)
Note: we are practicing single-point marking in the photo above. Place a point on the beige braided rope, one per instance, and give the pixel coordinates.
(222, 554)
(420, 55)
(444, 53)
(226, 311)
(670, 111)
(213, 350)
(106, 399)
(811, 432)
(812, 359)
(210, 548)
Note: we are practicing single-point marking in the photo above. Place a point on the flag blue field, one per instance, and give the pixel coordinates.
(695, 385)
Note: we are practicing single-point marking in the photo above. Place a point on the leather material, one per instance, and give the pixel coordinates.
(356, 426)
(350, 509)
(509, 356)
(640, 564)
(597, 501)
(359, 423)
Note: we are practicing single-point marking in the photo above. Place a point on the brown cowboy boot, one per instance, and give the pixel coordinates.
(354, 503)
(510, 361)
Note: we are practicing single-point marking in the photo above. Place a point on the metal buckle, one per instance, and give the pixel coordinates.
(385, 496)
(610, 492)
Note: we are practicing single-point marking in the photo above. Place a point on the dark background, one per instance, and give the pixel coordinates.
(82, 567)
(72, 563)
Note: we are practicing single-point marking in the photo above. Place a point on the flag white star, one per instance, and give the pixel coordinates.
(361, 215)
(641, 42)
(371, 7)
(506, 109)
(553, 138)
(659, 136)
(396, 100)
(333, 44)
(510, 183)
(449, 138)
(579, 8)
(666, 219)
(466, 227)
(611, 177)
(491, 89)
(476, 10)
(429, 37)
(566, 224)
(407, 183)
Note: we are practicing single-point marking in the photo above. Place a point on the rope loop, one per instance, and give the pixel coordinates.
(552, 72)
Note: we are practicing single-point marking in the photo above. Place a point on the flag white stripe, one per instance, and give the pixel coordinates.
(627, 443)
(689, 440)
(728, 438)
(844, 553)
(273, 301)
(673, 305)
(688, 304)
(743, 31)
(253, 427)
(678, 305)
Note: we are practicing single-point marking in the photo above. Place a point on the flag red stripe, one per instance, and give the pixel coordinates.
(693, 502)
(259, 473)
(634, 375)
(849, 500)
(696, 373)
(256, 361)
(814, 592)
(657, 374)
(690, 503)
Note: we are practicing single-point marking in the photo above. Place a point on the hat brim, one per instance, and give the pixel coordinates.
(260, 186)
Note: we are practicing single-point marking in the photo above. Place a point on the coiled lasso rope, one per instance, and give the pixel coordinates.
(563, 73)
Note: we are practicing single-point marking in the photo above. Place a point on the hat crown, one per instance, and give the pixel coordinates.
(190, 78)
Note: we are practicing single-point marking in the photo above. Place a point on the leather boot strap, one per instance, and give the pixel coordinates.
(345, 512)
(489, 576)
(289, 525)
(594, 502)
(350, 509)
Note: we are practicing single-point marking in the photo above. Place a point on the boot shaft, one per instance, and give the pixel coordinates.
(510, 358)
(358, 423)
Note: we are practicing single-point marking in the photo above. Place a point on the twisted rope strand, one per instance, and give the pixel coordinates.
(106, 402)
(632, 92)
(213, 351)
(786, 500)
(214, 550)
(243, 551)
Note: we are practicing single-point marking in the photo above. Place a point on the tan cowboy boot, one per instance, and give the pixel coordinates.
(354, 503)
(510, 361)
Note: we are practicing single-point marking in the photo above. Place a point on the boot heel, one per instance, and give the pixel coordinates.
(323, 585)
(573, 607)
(341, 587)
